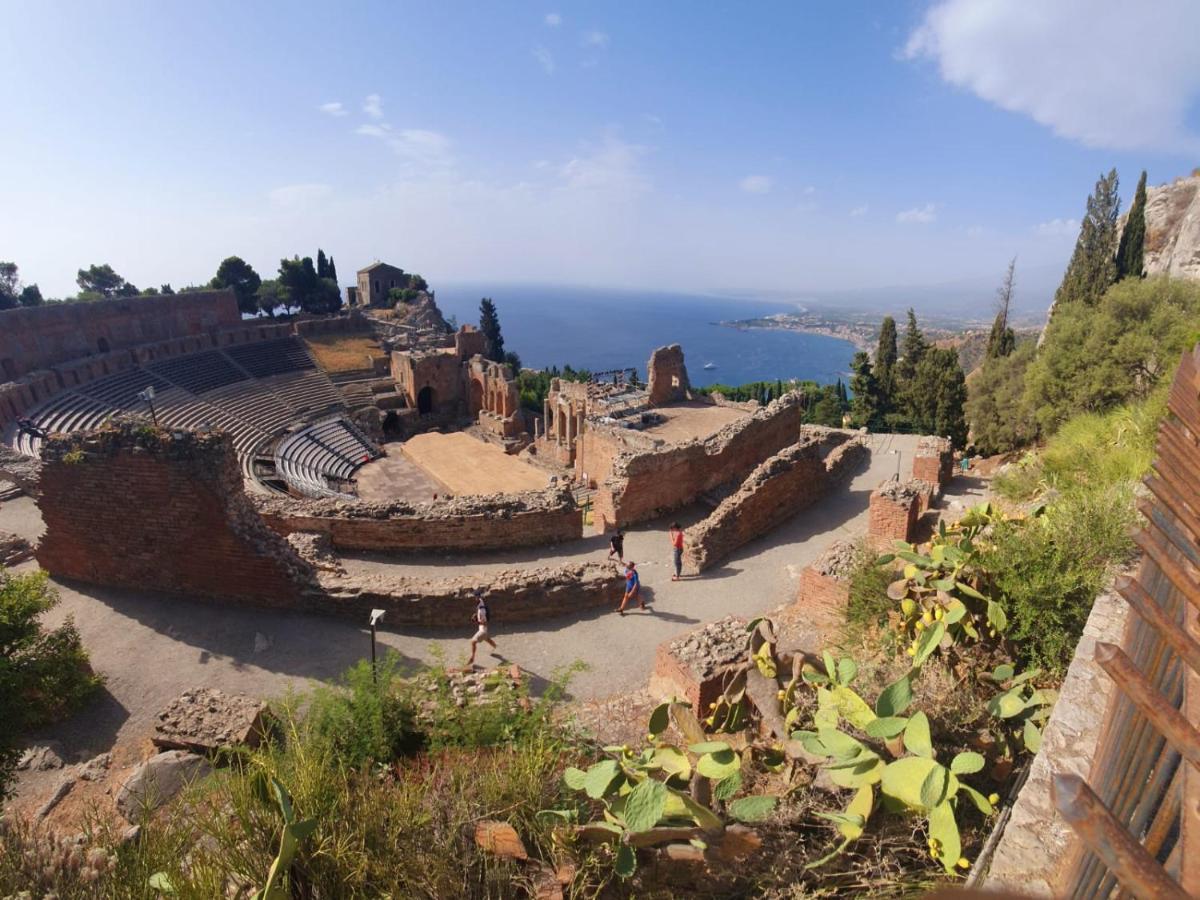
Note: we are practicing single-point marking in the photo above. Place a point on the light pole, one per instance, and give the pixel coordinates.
(148, 396)
(376, 617)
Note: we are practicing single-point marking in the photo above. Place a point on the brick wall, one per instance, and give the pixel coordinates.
(822, 593)
(138, 508)
(776, 490)
(933, 461)
(529, 519)
(647, 483)
(512, 596)
(894, 509)
(38, 337)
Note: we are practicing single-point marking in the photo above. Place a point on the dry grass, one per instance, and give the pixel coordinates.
(343, 352)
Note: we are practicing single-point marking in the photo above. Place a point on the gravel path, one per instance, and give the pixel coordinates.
(151, 647)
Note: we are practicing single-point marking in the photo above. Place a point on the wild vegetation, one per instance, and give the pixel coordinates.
(824, 404)
(44, 673)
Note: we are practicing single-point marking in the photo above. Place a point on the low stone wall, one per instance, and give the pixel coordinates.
(894, 510)
(645, 483)
(512, 595)
(529, 519)
(776, 490)
(1035, 841)
(825, 582)
(696, 665)
(933, 461)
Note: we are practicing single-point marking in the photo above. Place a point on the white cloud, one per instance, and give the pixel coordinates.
(299, 195)
(859, 211)
(919, 215)
(544, 58)
(1057, 228)
(613, 166)
(553, 20)
(756, 184)
(594, 38)
(373, 106)
(974, 231)
(334, 109)
(372, 130)
(1101, 72)
(421, 148)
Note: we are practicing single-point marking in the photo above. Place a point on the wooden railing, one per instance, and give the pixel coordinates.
(1137, 815)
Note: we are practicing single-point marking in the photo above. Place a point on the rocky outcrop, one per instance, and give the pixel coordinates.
(1173, 228)
(157, 780)
(205, 720)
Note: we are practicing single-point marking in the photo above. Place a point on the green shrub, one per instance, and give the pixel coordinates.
(1051, 569)
(869, 603)
(44, 674)
(363, 720)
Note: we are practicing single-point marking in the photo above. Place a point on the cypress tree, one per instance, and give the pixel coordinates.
(1093, 264)
(322, 266)
(864, 408)
(332, 270)
(885, 362)
(1002, 341)
(1130, 252)
(489, 324)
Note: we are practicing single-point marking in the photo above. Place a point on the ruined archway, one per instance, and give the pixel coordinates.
(425, 400)
(475, 400)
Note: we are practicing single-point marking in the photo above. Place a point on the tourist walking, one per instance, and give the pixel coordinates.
(616, 545)
(483, 617)
(633, 586)
(676, 535)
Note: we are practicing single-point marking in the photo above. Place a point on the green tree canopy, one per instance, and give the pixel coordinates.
(1092, 267)
(31, 295)
(489, 324)
(270, 296)
(996, 409)
(1094, 358)
(937, 394)
(9, 285)
(101, 282)
(865, 405)
(302, 287)
(911, 350)
(1131, 249)
(885, 363)
(239, 276)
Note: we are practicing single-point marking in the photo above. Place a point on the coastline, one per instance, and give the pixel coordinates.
(858, 341)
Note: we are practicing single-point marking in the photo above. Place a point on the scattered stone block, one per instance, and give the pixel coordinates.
(14, 549)
(697, 665)
(500, 839)
(95, 768)
(41, 758)
(157, 780)
(64, 788)
(205, 720)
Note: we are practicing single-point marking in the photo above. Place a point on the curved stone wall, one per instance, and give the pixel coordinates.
(495, 522)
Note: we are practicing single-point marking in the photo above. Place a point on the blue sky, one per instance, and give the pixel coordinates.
(796, 147)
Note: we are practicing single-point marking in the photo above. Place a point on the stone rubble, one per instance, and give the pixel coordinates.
(206, 720)
(41, 758)
(708, 650)
(838, 560)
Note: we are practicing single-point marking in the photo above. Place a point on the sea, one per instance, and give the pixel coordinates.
(601, 330)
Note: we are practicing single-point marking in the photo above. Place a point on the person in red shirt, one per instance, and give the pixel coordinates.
(676, 535)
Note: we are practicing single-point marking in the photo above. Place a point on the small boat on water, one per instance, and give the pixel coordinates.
(709, 365)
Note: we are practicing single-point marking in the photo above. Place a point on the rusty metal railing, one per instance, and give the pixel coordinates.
(1137, 815)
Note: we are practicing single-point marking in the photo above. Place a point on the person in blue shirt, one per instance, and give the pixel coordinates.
(632, 588)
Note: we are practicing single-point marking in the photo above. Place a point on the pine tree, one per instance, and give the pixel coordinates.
(1002, 341)
(912, 348)
(1130, 252)
(322, 265)
(489, 324)
(937, 394)
(1093, 265)
(864, 408)
(885, 363)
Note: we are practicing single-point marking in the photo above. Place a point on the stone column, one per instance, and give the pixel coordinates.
(570, 429)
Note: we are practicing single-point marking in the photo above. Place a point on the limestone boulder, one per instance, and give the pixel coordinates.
(157, 780)
(205, 720)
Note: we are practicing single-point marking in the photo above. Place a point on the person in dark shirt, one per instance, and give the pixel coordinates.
(616, 545)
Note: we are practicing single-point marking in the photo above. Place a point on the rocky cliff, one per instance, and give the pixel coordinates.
(1173, 228)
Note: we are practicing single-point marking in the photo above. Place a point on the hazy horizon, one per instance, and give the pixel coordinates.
(664, 147)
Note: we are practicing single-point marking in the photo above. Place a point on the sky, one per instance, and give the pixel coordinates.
(792, 147)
